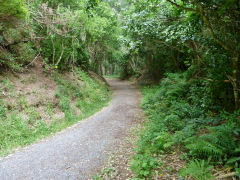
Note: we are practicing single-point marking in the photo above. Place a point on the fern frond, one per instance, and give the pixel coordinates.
(204, 149)
(199, 170)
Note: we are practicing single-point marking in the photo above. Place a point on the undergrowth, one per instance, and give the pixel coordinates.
(17, 131)
(179, 118)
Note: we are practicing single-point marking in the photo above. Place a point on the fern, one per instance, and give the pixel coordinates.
(237, 150)
(199, 170)
(215, 144)
(233, 160)
(202, 149)
(178, 120)
(224, 136)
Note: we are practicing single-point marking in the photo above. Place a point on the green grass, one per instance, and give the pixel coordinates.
(16, 131)
(115, 76)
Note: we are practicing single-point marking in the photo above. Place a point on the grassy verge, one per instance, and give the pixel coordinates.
(18, 131)
(180, 121)
(115, 76)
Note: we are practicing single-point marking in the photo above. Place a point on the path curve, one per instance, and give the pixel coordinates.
(79, 151)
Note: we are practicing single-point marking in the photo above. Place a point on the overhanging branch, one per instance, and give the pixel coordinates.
(209, 26)
(182, 7)
(206, 21)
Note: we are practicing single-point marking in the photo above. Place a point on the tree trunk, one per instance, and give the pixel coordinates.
(101, 70)
(104, 70)
(235, 80)
(113, 68)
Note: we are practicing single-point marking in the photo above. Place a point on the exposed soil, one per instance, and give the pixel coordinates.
(35, 89)
(79, 151)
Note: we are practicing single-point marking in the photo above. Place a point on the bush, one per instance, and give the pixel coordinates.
(15, 8)
(24, 52)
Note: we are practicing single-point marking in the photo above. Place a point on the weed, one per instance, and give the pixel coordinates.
(98, 177)
(108, 171)
(8, 86)
(3, 110)
(143, 165)
(33, 115)
(49, 108)
(29, 80)
(23, 102)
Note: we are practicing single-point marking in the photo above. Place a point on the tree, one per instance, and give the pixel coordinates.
(206, 10)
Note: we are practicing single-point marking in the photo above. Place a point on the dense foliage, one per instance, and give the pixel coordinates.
(192, 46)
(165, 36)
(180, 119)
(64, 33)
(12, 8)
(188, 48)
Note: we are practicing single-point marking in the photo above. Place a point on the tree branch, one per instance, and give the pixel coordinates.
(206, 21)
(227, 175)
(213, 80)
(209, 26)
(182, 7)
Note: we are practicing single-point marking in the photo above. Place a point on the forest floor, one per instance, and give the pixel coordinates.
(79, 151)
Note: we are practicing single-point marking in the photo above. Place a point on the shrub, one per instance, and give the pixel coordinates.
(24, 52)
(15, 8)
(63, 44)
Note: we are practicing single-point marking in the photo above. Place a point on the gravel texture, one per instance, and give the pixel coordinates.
(79, 151)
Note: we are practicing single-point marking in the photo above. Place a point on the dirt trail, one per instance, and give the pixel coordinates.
(79, 151)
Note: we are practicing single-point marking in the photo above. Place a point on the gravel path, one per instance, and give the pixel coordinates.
(79, 151)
